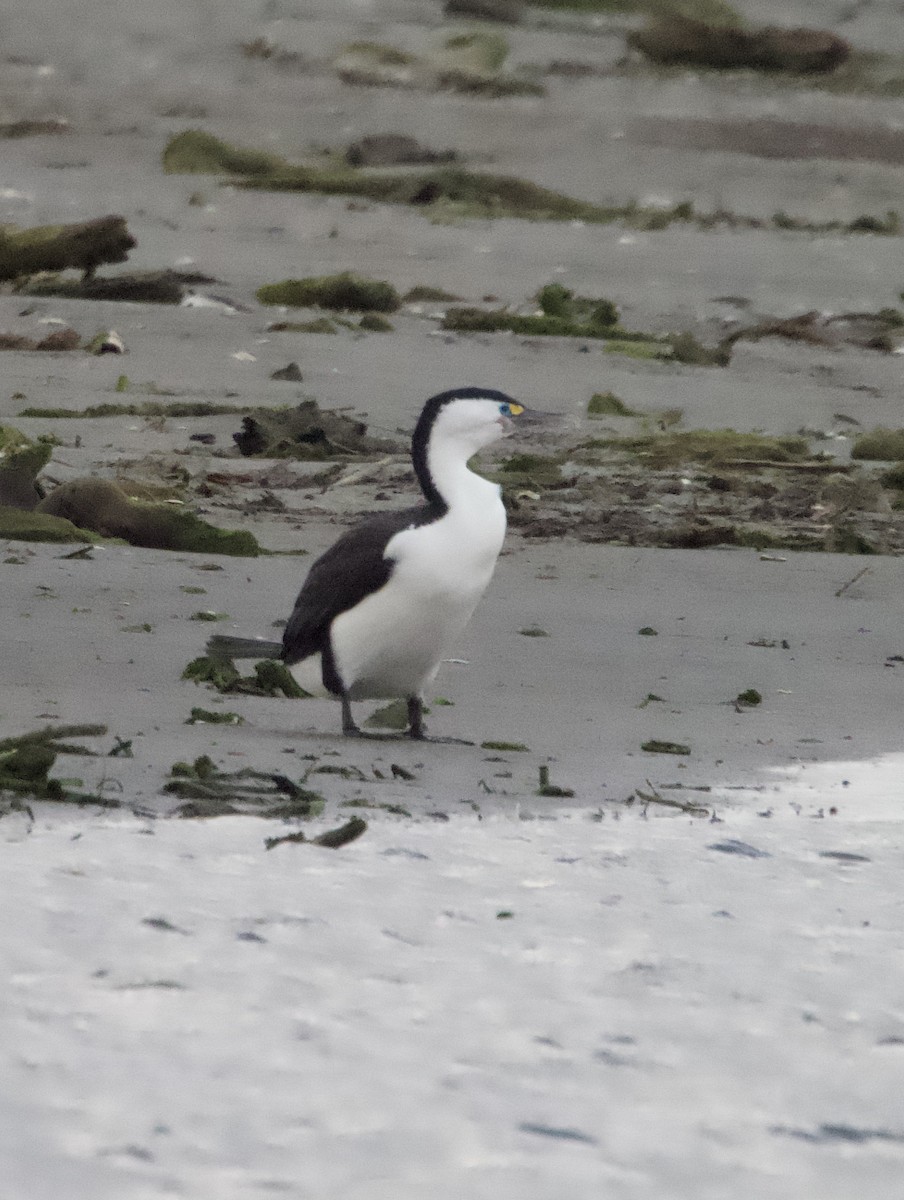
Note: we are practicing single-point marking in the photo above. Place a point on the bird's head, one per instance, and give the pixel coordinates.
(469, 418)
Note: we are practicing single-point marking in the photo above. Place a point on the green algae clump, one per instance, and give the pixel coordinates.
(474, 51)
(711, 446)
(81, 246)
(374, 323)
(270, 678)
(18, 525)
(658, 746)
(21, 460)
(275, 679)
(343, 292)
(884, 445)
(101, 505)
(194, 152)
(607, 404)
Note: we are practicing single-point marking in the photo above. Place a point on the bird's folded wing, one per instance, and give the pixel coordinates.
(350, 570)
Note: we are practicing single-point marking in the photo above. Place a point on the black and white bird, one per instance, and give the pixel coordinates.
(384, 605)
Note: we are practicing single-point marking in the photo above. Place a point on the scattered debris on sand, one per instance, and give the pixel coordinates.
(332, 838)
(551, 790)
(563, 314)
(26, 760)
(882, 330)
(308, 432)
(449, 188)
(209, 792)
(450, 191)
(696, 488)
(470, 61)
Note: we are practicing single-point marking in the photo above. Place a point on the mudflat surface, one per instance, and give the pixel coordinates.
(682, 980)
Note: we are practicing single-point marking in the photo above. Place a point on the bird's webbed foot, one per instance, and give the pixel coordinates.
(417, 730)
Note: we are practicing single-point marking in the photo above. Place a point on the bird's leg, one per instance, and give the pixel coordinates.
(418, 730)
(349, 728)
(416, 727)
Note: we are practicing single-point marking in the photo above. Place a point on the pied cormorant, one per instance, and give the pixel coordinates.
(384, 605)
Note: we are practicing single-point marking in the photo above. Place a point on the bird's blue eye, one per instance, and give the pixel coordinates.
(505, 409)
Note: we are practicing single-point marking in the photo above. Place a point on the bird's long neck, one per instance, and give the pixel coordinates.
(442, 471)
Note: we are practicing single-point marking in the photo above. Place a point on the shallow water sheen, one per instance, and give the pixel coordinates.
(870, 789)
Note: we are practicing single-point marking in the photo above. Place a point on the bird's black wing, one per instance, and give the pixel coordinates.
(351, 569)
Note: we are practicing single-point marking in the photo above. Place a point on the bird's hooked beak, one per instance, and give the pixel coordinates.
(505, 422)
(527, 418)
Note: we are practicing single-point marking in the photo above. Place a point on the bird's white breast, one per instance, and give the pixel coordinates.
(391, 644)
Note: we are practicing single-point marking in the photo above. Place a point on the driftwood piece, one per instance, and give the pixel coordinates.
(83, 246)
(873, 331)
(307, 432)
(137, 287)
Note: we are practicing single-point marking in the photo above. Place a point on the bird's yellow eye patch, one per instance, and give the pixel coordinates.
(516, 409)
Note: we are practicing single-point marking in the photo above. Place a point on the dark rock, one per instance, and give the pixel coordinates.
(393, 149)
(16, 341)
(677, 39)
(291, 373)
(510, 11)
(742, 849)
(60, 339)
(23, 129)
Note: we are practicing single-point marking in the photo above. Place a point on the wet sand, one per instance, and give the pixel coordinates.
(695, 992)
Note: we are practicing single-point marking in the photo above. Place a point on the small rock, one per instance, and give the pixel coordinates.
(392, 149)
(744, 849)
(486, 10)
(60, 339)
(291, 373)
(674, 38)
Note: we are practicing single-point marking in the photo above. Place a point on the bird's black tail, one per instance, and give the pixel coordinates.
(223, 646)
